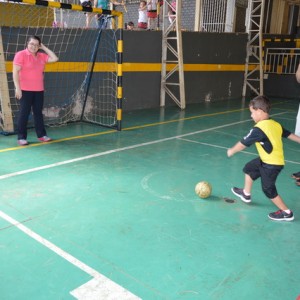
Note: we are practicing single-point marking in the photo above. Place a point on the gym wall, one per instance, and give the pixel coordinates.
(214, 67)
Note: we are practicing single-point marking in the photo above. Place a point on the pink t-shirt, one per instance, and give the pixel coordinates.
(31, 75)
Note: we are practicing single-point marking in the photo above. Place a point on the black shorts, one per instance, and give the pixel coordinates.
(268, 174)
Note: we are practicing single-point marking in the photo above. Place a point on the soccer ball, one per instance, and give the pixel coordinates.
(203, 189)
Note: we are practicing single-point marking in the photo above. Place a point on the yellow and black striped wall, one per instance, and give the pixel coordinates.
(214, 67)
(279, 84)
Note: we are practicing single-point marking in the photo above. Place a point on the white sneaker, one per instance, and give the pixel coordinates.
(22, 142)
(45, 139)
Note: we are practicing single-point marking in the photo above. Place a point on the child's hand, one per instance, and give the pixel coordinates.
(229, 152)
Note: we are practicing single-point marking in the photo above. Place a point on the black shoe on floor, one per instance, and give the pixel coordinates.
(281, 215)
(240, 193)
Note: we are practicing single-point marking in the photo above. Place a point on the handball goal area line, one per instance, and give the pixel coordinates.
(66, 162)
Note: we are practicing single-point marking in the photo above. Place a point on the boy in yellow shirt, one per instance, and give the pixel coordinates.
(267, 135)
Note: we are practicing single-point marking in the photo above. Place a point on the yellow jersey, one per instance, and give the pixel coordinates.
(273, 130)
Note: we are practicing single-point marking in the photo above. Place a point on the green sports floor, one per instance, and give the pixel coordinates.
(99, 214)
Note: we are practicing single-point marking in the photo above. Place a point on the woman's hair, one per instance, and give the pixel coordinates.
(261, 102)
(34, 37)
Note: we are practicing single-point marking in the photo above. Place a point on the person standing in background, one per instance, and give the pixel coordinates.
(104, 4)
(87, 3)
(152, 13)
(130, 26)
(297, 129)
(143, 19)
(172, 11)
(298, 74)
(28, 77)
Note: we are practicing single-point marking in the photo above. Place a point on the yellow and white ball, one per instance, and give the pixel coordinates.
(203, 189)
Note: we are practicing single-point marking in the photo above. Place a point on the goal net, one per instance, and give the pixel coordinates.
(86, 83)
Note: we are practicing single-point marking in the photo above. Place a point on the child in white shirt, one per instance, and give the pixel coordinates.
(152, 13)
(143, 19)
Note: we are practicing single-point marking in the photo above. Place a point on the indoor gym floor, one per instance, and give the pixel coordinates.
(100, 214)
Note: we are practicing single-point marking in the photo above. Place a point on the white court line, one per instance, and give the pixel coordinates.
(222, 147)
(119, 150)
(100, 287)
(213, 145)
(113, 151)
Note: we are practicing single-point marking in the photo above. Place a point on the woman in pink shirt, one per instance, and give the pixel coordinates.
(28, 76)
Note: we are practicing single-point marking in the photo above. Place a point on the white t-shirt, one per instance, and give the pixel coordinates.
(143, 16)
(152, 5)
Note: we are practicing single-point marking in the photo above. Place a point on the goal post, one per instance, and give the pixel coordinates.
(6, 113)
(85, 85)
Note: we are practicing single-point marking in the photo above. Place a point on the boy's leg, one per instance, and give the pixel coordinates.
(283, 214)
(251, 171)
(268, 178)
(279, 203)
(248, 184)
(245, 193)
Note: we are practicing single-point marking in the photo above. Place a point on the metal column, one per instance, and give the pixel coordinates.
(254, 60)
(172, 73)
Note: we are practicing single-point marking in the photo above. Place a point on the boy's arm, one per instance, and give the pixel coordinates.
(236, 148)
(294, 138)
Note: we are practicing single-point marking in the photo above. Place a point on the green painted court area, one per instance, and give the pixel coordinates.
(100, 214)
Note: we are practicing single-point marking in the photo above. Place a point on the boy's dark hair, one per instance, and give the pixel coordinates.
(34, 37)
(130, 23)
(261, 102)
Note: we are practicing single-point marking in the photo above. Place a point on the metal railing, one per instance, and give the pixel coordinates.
(281, 60)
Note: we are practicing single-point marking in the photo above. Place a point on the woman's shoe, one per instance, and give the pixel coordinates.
(45, 139)
(22, 142)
